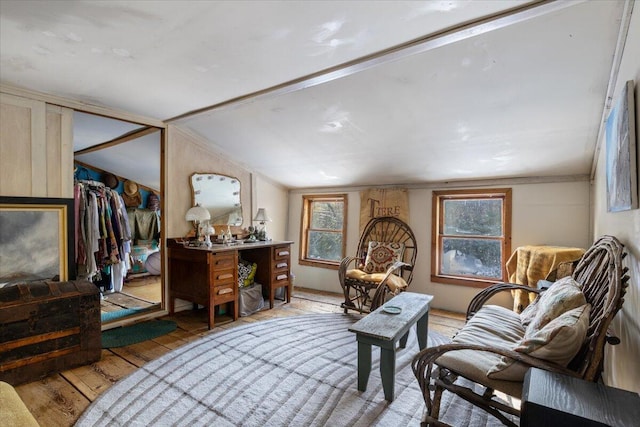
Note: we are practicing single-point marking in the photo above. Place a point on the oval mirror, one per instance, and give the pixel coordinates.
(220, 194)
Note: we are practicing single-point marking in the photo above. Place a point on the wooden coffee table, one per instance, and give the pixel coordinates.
(384, 329)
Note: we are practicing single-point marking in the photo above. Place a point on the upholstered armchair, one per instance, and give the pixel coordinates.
(563, 331)
(382, 266)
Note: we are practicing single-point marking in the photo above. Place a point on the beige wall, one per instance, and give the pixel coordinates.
(545, 213)
(622, 366)
(275, 199)
(187, 154)
(36, 153)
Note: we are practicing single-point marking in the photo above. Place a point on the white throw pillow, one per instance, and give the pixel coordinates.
(565, 294)
(558, 341)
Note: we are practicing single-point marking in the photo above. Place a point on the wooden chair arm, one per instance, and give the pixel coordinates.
(483, 296)
(344, 266)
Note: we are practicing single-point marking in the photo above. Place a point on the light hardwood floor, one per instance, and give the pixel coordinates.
(60, 399)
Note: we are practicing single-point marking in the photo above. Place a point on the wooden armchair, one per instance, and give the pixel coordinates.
(383, 265)
(564, 331)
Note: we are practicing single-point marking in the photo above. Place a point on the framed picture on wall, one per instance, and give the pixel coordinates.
(36, 239)
(622, 153)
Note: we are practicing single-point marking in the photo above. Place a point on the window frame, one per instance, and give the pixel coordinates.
(307, 203)
(437, 235)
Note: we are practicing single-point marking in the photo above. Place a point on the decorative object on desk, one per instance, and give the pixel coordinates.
(304, 377)
(131, 194)
(622, 154)
(208, 232)
(262, 218)
(253, 234)
(198, 215)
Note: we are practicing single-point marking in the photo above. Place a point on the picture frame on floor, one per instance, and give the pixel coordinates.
(36, 239)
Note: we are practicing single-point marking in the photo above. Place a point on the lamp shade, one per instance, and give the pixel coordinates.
(197, 213)
(262, 216)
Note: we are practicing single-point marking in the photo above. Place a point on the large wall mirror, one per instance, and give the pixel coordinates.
(220, 194)
(127, 158)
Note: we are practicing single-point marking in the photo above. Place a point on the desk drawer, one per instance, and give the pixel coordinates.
(280, 279)
(224, 293)
(281, 253)
(281, 267)
(224, 277)
(224, 260)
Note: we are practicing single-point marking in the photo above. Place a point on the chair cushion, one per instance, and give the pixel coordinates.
(558, 342)
(381, 256)
(394, 282)
(563, 295)
(493, 325)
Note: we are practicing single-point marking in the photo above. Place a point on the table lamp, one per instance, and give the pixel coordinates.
(197, 214)
(262, 218)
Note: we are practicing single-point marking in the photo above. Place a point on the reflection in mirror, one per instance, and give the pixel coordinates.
(220, 194)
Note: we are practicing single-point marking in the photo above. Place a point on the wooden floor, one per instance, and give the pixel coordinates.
(60, 399)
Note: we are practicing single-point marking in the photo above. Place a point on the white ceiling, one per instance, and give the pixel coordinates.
(520, 95)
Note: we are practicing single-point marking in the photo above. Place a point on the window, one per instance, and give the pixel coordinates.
(322, 233)
(471, 236)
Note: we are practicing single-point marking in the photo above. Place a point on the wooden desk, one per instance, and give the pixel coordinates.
(382, 329)
(555, 399)
(209, 276)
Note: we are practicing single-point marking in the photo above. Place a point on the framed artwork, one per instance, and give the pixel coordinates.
(36, 239)
(622, 153)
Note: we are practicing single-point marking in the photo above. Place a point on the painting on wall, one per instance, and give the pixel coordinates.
(622, 161)
(36, 239)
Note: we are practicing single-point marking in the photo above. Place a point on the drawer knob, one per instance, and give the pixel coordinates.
(225, 291)
(281, 277)
(281, 265)
(225, 276)
(283, 253)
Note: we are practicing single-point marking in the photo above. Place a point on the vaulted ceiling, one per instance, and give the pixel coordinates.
(339, 93)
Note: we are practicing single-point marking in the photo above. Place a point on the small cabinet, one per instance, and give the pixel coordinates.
(203, 277)
(280, 272)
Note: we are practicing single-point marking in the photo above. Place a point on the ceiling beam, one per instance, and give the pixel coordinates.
(422, 44)
(129, 136)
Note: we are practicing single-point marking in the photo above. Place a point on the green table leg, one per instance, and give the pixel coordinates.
(422, 330)
(388, 372)
(403, 340)
(364, 365)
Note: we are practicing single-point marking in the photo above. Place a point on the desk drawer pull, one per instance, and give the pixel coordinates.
(225, 291)
(282, 276)
(283, 253)
(281, 265)
(225, 276)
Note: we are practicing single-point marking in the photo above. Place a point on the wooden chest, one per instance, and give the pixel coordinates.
(47, 327)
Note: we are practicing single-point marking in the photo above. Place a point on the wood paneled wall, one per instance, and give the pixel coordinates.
(36, 148)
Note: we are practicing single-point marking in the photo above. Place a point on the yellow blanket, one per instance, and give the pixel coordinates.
(528, 264)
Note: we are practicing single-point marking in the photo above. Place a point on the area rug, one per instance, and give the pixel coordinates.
(108, 316)
(128, 335)
(295, 371)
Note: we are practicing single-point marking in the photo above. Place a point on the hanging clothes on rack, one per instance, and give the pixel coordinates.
(103, 235)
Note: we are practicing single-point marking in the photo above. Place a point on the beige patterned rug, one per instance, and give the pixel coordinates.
(296, 371)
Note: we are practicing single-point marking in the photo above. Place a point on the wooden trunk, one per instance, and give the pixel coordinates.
(47, 327)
